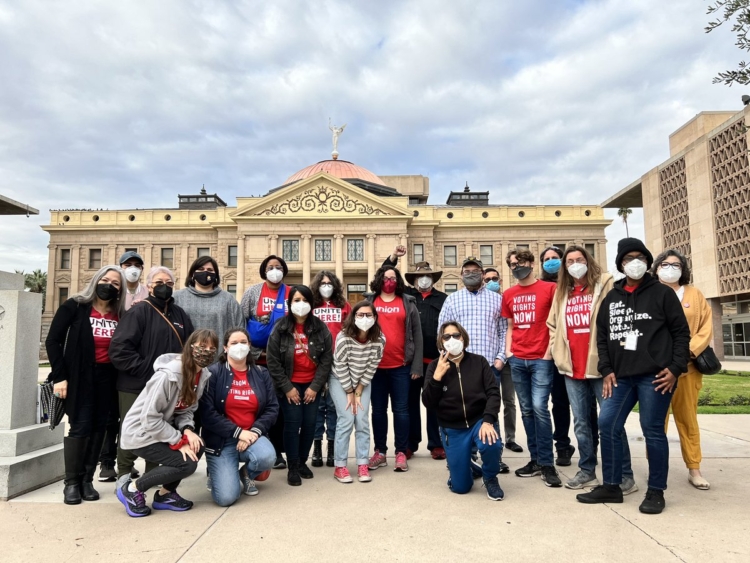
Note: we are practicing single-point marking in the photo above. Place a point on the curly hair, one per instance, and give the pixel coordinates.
(685, 277)
(376, 285)
(337, 298)
(521, 256)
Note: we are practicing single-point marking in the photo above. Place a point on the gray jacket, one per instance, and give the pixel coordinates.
(216, 310)
(153, 418)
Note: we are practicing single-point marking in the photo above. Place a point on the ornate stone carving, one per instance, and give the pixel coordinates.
(322, 199)
(674, 207)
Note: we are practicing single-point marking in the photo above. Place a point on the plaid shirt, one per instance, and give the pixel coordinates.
(479, 314)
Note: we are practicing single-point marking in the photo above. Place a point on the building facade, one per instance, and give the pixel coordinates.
(333, 215)
(698, 201)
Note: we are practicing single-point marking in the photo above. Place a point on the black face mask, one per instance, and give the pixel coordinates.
(107, 292)
(205, 278)
(521, 272)
(163, 292)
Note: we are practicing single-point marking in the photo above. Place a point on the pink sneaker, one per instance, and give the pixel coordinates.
(342, 475)
(401, 464)
(364, 473)
(377, 460)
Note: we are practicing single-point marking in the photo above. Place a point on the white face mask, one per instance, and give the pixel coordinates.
(326, 290)
(454, 347)
(577, 271)
(275, 276)
(238, 351)
(635, 269)
(669, 275)
(132, 274)
(424, 283)
(300, 308)
(364, 323)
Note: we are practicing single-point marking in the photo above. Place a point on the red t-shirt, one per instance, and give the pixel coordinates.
(304, 368)
(630, 288)
(242, 403)
(529, 307)
(392, 321)
(267, 300)
(333, 317)
(103, 327)
(578, 322)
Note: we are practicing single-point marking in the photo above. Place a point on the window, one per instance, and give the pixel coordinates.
(290, 250)
(485, 254)
(95, 258)
(355, 250)
(522, 247)
(323, 250)
(232, 289)
(414, 201)
(65, 259)
(450, 287)
(418, 250)
(204, 252)
(449, 256)
(591, 249)
(561, 245)
(167, 258)
(232, 256)
(63, 295)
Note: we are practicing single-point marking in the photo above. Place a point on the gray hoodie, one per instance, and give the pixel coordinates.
(216, 310)
(153, 417)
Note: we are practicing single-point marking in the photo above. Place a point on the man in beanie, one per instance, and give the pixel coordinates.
(643, 341)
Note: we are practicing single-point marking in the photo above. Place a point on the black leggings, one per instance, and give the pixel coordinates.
(93, 403)
(172, 468)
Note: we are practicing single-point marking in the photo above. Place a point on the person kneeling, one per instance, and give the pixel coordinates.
(159, 426)
(462, 389)
(237, 410)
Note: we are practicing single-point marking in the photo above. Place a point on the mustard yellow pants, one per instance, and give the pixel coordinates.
(685, 411)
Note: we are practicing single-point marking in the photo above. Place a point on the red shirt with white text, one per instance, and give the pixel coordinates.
(528, 306)
(392, 321)
(578, 323)
(242, 403)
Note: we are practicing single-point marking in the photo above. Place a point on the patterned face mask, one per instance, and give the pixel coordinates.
(203, 356)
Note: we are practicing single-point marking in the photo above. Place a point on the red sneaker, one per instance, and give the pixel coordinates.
(409, 453)
(438, 453)
(401, 464)
(377, 460)
(341, 474)
(364, 474)
(263, 476)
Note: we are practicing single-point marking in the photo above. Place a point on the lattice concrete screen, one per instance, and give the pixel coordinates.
(674, 207)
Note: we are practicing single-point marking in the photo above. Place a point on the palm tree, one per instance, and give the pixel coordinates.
(36, 282)
(624, 212)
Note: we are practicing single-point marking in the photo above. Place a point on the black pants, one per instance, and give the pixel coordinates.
(172, 468)
(415, 417)
(93, 403)
(299, 425)
(126, 458)
(276, 432)
(109, 448)
(560, 411)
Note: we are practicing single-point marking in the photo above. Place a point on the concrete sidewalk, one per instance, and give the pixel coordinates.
(410, 517)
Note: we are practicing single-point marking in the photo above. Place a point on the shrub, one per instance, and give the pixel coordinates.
(737, 401)
(706, 397)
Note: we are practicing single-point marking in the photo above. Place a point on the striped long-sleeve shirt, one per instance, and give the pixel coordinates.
(354, 362)
(479, 314)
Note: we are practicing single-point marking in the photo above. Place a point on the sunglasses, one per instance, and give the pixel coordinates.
(447, 336)
(493, 278)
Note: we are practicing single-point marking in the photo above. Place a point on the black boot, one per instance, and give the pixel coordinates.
(329, 454)
(293, 477)
(317, 455)
(94, 448)
(74, 450)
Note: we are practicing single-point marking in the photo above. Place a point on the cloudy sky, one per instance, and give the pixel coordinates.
(126, 104)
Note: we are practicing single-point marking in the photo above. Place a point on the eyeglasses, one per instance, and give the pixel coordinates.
(493, 278)
(160, 283)
(515, 265)
(576, 261)
(628, 259)
(673, 265)
(364, 315)
(448, 335)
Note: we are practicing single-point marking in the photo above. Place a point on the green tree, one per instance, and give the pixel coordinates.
(35, 282)
(738, 13)
(623, 212)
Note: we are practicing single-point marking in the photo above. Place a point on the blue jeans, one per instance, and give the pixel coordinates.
(225, 480)
(581, 393)
(458, 444)
(347, 421)
(533, 382)
(299, 425)
(653, 408)
(393, 382)
(326, 421)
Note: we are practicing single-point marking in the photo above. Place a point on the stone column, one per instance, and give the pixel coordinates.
(75, 268)
(306, 259)
(49, 304)
(273, 245)
(370, 257)
(185, 263)
(403, 264)
(338, 250)
(468, 250)
(502, 266)
(148, 259)
(112, 256)
(601, 254)
(240, 265)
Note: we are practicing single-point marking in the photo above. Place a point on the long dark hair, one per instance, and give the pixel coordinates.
(227, 335)
(337, 297)
(352, 331)
(288, 323)
(202, 261)
(204, 336)
(376, 285)
(545, 275)
(566, 283)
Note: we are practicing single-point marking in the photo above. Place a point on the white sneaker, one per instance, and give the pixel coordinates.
(628, 486)
(582, 480)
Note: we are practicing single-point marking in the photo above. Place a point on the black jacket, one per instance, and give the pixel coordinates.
(464, 395)
(429, 312)
(72, 362)
(280, 353)
(142, 336)
(217, 428)
(653, 310)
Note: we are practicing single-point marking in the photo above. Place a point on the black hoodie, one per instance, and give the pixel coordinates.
(655, 312)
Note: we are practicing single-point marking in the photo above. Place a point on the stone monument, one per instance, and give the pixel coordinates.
(31, 455)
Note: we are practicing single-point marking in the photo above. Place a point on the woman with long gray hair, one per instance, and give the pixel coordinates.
(78, 349)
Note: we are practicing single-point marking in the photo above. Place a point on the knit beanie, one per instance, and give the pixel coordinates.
(629, 245)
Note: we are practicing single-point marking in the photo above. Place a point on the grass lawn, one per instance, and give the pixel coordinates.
(722, 387)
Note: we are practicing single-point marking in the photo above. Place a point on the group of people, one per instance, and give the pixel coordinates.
(169, 376)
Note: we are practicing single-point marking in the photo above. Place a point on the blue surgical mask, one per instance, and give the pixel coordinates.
(552, 266)
(493, 286)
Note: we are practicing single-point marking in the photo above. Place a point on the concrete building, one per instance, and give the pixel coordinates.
(332, 215)
(698, 201)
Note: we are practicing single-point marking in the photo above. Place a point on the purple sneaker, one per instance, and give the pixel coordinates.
(134, 502)
(171, 501)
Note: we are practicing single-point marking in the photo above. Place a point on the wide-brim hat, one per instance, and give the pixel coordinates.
(422, 269)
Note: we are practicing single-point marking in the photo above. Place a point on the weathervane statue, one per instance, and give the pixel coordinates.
(336, 132)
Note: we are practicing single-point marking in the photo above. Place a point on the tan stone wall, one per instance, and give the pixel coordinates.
(696, 128)
(414, 186)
